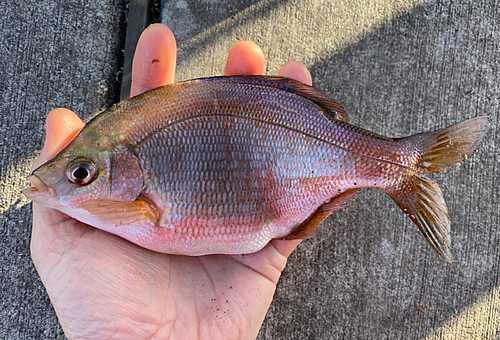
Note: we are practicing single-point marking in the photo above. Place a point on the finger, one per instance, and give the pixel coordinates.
(154, 59)
(297, 71)
(285, 248)
(62, 126)
(245, 58)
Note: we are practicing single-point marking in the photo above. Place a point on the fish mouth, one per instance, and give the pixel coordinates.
(38, 189)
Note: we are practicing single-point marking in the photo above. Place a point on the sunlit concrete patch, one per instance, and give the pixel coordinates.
(337, 24)
(12, 182)
(480, 320)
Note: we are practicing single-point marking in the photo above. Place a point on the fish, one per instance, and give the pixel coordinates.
(223, 165)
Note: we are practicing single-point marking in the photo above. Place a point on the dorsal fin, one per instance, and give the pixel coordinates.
(329, 105)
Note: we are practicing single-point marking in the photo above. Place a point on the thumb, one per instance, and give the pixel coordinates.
(62, 126)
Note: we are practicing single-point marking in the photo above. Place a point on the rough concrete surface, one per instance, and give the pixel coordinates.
(398, 67)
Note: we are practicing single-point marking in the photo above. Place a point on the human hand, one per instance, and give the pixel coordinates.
(103, 286)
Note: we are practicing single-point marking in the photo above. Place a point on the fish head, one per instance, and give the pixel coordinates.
(73, 176)
(97, 164)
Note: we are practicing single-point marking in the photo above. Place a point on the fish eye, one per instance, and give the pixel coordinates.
(81, 171)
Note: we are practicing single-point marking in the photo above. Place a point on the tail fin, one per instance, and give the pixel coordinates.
(422, 199)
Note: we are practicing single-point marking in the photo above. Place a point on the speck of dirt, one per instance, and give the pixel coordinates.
(421, 307)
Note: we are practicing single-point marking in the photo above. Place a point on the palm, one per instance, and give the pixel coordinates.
(102, 284)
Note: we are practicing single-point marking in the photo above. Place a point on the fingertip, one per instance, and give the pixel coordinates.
(62, 126)
(154, 59)
(245, 58)
(296, 70)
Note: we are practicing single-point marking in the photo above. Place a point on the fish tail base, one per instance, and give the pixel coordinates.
(421, 198)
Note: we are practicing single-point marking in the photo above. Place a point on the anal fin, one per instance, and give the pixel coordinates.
(122, 213)
(308, 228)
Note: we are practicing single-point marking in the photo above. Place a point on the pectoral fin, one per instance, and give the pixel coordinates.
(308, 228)
(122, 213)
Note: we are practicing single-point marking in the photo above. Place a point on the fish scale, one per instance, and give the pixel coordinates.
(278, 107)
(243, 175)
(225, 164)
